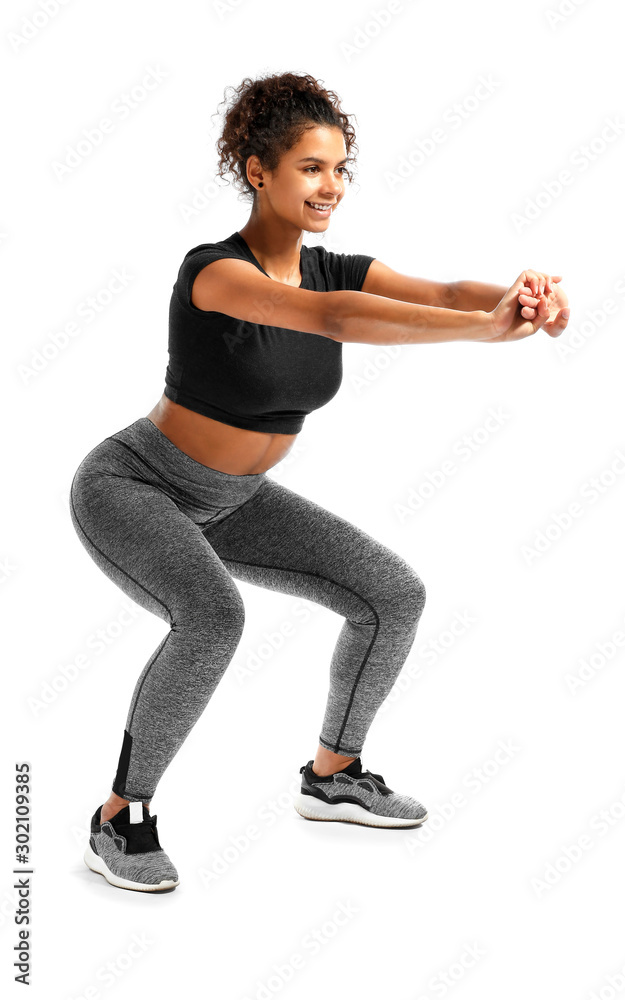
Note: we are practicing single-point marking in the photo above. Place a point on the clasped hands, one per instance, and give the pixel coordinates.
(542, 295)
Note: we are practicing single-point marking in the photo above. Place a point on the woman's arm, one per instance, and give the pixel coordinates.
(469, 295)
(365, 318)
(466, 296)
(376, 320)
(237, 288)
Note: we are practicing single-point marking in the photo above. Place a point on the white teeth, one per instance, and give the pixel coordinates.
(323, 207)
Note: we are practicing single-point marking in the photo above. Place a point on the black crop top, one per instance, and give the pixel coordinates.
(261, 378)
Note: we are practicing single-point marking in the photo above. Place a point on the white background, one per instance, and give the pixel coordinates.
(490, 873)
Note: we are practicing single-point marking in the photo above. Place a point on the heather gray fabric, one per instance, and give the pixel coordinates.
(173, 534)
(150, 867)
(357, 786)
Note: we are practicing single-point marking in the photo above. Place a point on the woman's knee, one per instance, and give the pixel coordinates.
(393, 594)
(402, 594)
(412, 589)
(217, 610)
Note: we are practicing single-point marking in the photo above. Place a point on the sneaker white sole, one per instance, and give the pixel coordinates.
(311, 807)
(97, 864)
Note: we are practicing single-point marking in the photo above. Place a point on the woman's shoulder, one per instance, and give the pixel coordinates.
(339, 270)
(198, 257)
(228, 246)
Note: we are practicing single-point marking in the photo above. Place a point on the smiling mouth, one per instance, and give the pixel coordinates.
(319, 207)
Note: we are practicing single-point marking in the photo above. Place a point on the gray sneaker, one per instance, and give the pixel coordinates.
(355, 796)
(126, 850)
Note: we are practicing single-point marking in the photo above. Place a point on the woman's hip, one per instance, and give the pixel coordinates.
(141, 453)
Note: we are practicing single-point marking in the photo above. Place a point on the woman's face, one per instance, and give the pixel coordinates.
(314, 172)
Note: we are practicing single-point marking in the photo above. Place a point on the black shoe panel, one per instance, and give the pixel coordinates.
(139, 837)
(353, 769)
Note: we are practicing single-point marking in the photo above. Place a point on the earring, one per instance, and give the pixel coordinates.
(260, 184)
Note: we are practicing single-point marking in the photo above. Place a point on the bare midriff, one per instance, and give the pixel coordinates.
(220, 446)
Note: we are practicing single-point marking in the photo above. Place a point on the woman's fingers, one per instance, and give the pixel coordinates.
(542, 306)
(533, 280)
(537, 298)
(530, 303)
(556, 326)
(540, 282)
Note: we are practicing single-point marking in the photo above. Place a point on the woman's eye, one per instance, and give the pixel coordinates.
(344, 169)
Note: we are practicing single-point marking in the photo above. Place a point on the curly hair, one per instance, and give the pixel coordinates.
(269, 115)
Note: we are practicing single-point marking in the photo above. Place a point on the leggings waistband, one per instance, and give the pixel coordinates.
(155, 448)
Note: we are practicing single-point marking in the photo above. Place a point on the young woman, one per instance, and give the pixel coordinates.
(177, 504)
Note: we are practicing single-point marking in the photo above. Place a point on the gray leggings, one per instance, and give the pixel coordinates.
(172, 533)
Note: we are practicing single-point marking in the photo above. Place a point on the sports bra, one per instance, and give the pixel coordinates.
(253, 375)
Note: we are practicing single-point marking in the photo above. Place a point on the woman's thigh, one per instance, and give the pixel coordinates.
(283, 541)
